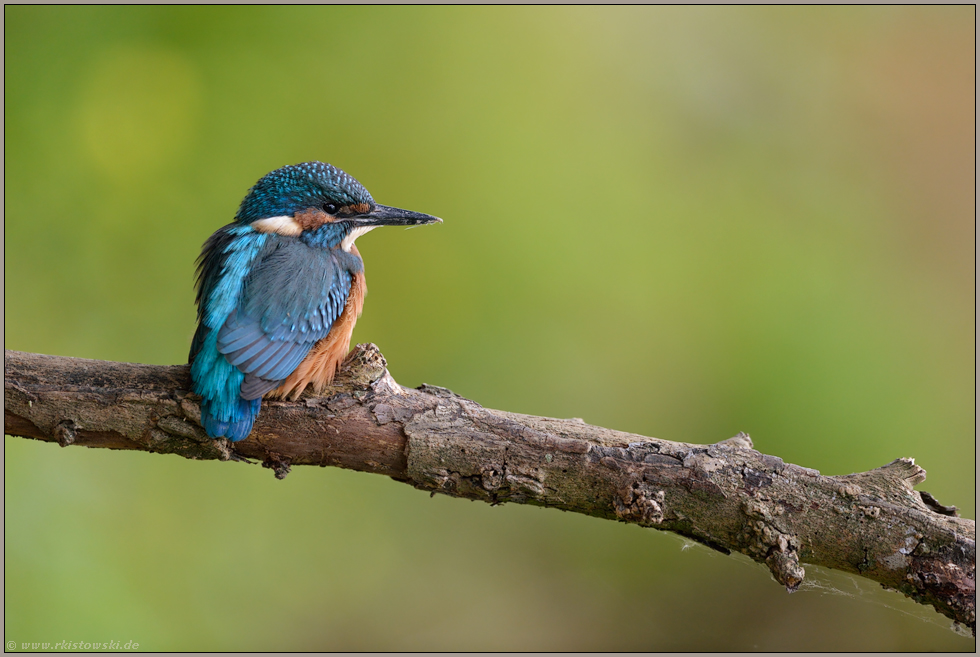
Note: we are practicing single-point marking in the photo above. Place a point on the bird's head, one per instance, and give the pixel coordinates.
(319, 203)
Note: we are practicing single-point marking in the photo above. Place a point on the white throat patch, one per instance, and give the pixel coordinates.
(354, 234)
(280, 225)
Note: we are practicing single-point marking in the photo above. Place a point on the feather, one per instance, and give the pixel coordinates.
(288, 303)
(320, 365)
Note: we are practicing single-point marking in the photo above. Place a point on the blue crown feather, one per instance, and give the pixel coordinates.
(295, 188)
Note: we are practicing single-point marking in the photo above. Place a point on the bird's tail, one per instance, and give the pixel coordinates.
(233, 422)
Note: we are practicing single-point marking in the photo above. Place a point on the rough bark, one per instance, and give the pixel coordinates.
(726, 495)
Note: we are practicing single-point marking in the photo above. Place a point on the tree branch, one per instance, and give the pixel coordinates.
(726, 495)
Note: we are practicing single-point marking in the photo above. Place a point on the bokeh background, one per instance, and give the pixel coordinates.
(681, 222)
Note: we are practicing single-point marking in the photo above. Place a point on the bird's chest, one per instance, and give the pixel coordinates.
(348, 261)
(294, 279)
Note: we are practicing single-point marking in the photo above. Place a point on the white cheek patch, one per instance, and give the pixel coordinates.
(354, 234)
(281, 225)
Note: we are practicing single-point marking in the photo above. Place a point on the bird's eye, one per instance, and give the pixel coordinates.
(330, 208)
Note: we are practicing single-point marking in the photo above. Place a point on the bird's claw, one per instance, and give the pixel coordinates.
(233, 456)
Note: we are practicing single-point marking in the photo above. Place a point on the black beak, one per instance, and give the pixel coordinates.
(382, 215)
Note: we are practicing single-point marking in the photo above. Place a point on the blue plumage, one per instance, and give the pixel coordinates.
(272, 284)
(294, 188)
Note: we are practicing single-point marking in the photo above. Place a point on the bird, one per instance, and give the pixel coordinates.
(278, 292)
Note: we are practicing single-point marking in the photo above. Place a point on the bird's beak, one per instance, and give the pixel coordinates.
(382, 215)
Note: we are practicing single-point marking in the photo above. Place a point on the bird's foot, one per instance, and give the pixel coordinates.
(228, 453)
(234, 456)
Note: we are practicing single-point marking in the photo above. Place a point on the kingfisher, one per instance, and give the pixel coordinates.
(279, 290)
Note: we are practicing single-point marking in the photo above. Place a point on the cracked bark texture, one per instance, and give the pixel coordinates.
(725, 495)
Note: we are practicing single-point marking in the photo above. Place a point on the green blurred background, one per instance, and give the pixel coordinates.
(680, 222)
